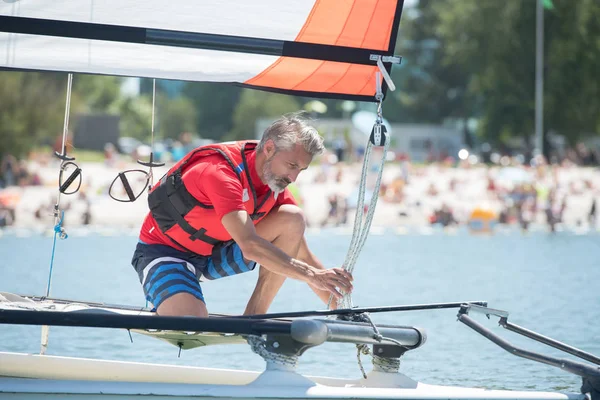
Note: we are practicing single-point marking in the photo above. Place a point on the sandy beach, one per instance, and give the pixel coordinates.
(410, 195)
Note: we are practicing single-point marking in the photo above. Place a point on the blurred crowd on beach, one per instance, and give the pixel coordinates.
(443, 191)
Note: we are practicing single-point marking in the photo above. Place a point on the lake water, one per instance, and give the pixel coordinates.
(549, 283)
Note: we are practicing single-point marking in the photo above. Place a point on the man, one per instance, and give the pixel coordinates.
(223, 209)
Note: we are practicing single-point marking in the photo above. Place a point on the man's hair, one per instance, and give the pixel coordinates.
(291, 129)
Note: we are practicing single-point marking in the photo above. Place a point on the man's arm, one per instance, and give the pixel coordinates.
(240, 227)
(304, 254)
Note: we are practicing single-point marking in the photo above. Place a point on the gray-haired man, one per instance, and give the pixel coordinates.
(223, 209)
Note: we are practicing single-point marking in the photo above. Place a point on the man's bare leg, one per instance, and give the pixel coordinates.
(182, 304)
(284, 228)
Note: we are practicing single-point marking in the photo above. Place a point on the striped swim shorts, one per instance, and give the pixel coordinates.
(164, 271)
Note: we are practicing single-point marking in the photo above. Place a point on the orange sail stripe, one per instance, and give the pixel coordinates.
(356, 79)
(378, 35)
(325, 22)
(358, 23)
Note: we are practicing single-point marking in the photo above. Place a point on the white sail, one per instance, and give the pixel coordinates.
(311, 47)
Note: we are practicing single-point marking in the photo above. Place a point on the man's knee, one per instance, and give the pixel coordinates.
(292, 219)
(182, 304)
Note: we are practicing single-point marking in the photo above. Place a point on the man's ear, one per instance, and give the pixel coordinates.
(269, 148)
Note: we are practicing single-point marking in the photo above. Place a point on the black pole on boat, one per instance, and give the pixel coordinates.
(100, 319)
(360, 310)
(574, 367)
(549, 341)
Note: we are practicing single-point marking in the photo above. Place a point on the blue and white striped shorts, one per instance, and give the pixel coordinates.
(164, 271)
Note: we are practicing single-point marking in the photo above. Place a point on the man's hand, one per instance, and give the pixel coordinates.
(307, 268)
(324, 292)
(335, 280)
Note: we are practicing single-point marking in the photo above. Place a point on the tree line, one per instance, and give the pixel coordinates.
(470, 63)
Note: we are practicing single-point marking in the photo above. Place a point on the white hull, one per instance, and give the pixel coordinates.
(25, 376)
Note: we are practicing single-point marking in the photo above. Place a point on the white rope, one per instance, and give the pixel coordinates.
(362, 224)
(58, 215)
(63, 148)
(150, 174)
(386, 364)
(383, 364)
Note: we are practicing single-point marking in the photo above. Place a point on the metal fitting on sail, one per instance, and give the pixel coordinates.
(378, 133)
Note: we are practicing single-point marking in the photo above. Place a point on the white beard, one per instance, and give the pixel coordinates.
(273, 182)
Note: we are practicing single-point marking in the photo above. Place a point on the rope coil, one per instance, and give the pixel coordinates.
(259, 346)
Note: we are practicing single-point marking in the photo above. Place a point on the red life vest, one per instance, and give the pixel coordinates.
(190, 223)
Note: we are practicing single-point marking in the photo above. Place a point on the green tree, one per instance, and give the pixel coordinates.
(135, 114)
(255, 104)
(97, 93)
(214, 105)
(432, 87)
(31, 110)
(496, 41)
(175, 116)
(572, 88)
(485, 52)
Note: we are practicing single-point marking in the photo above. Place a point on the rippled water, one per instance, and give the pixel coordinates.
(549, 283)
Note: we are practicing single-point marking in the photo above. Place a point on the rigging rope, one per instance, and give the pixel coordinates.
(151, 164)
(363, 225)
(59, 215)
(360, 233)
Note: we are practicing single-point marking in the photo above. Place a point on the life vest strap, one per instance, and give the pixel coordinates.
(165, 212)
(180, 197)
(200, 235)
(256, 216)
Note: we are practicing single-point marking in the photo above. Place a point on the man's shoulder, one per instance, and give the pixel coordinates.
(214, 164)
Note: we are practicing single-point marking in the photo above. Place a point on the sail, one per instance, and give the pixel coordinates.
(320, 48)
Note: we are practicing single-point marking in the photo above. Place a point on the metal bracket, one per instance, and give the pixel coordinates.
(388, 79)
(386, 59)
(388, 350)
(283, 344)
(482, 310)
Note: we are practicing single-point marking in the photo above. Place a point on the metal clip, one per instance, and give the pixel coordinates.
(386, 76)
(378, 91)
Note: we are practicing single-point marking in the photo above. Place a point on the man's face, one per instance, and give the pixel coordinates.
(283, 167)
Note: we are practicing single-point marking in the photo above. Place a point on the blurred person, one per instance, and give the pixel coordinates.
(223, 209)
(339, 147)
(405, 166)
(110, 154)
(432, 190)
(394, 192)
(332, 200)
(8, 170)
(526, 212)
(186, 140)
(7, 216)
(22, 175)
(443, 216)
(554, 212)
(177, 151)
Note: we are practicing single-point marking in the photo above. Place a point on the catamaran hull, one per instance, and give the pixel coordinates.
(25, 376)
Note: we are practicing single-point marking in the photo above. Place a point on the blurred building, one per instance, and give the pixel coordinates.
(424, 142)
(93, 131)
(421, 142)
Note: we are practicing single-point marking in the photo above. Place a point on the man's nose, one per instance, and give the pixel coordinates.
(293, 176)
